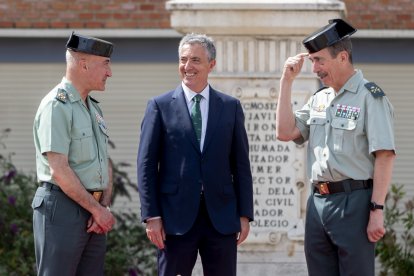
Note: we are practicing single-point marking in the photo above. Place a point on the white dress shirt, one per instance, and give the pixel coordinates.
(189, 95)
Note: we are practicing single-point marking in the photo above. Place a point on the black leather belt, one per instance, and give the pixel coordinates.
(50, 186)
(96, 194)
(326, 188)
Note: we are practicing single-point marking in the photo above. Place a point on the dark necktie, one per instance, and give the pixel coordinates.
(196, 116)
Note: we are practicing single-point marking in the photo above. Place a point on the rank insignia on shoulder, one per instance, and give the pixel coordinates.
(375, 90)
(61, 96)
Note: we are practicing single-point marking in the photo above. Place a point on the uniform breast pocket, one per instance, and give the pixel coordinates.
(317, 130)
(83, 145)
(342, 130)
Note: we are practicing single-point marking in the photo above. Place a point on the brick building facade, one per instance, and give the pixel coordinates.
(144, 14)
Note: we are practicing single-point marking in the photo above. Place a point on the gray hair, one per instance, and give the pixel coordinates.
(73, 57)
(342, 45)
(203, 40)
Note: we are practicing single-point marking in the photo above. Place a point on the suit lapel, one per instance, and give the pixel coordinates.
(179, 103)
(214, 110)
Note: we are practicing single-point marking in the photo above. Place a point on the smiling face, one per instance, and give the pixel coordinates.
(194, 66)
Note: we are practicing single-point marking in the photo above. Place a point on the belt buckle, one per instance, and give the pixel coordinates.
(97, 195)
(323, 188)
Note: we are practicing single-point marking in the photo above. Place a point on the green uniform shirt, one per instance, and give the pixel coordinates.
(344, 130)
(63, 124)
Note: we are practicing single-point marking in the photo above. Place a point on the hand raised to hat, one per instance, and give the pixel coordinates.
(293, 66)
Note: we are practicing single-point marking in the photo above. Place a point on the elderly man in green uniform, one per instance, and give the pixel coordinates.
(349, 128)
(71, 206)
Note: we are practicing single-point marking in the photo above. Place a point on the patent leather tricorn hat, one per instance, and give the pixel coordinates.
(89, 45)
(336, 30)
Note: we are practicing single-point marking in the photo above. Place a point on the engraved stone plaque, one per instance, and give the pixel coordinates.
(276, 167)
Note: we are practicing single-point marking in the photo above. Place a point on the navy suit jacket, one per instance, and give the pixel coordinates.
(172, 170)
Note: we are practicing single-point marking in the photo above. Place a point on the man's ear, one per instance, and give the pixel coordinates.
(344, 56)
(83, 64)
(212, 64)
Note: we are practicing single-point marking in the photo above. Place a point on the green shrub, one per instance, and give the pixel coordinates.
(396, 249)
(128, 253)
(128, 249)
(16, 239)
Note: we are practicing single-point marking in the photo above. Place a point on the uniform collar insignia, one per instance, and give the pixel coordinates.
(61, 95)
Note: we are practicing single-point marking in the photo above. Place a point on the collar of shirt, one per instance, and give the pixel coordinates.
(353, 82)
(71, 91)
(189, 94)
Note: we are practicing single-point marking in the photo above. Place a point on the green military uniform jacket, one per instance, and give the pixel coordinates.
(63, 124)
(344, 130)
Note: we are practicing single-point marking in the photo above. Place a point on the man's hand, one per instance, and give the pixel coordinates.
(245, 228)
(104, 219)
(293, 66)
(93, 227)
(375, 229)
(155, 232)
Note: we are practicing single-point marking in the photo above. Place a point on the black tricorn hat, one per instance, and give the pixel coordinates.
(328, 35)
(89, 45)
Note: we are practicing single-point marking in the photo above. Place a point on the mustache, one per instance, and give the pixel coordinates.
(321, 74)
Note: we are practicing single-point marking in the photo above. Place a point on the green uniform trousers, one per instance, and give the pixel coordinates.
(62, 245)
(336, 240)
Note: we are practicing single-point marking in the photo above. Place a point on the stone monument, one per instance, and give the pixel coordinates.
(253, 40)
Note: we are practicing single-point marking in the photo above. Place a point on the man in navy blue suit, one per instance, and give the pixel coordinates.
(194, 175)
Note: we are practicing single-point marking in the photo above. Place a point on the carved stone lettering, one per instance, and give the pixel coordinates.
(274, 168)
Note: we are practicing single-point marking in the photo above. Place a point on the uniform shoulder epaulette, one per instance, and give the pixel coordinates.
(61, 95)
(92, 99)
(375, 90)
(320, 89)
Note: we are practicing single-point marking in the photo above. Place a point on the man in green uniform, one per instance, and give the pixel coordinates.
(349, 128)
(71, 206)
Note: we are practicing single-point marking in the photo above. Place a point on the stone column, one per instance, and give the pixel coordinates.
(253, 40)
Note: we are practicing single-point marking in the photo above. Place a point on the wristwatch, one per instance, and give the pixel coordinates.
(373, 206)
